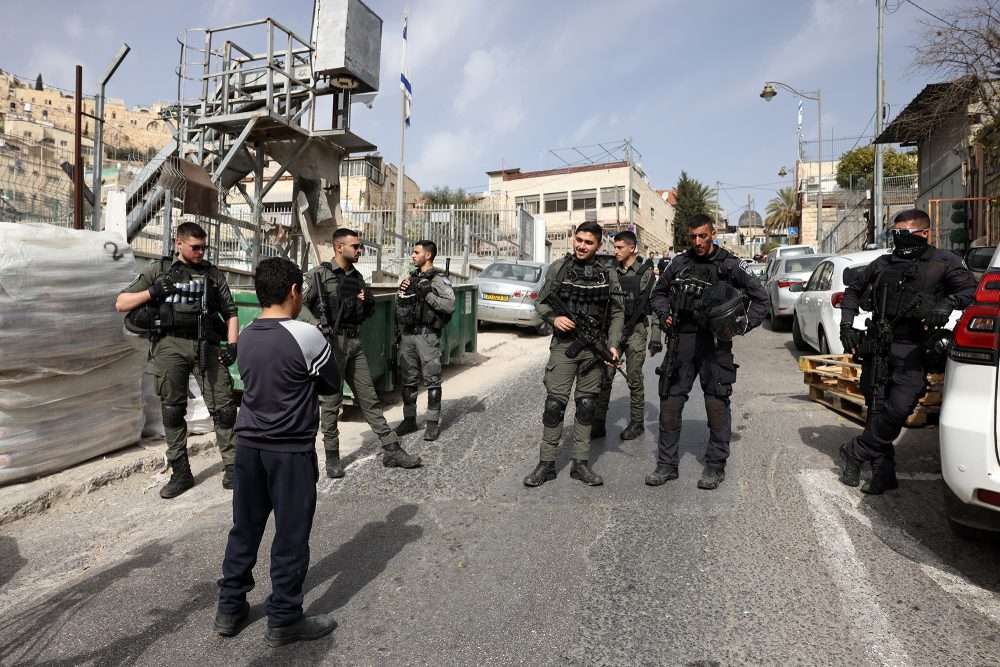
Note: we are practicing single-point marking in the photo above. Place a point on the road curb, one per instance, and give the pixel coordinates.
(32, 497)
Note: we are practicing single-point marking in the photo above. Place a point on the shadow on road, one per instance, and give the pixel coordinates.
(10, 557)
(33, 635)
(351, 567)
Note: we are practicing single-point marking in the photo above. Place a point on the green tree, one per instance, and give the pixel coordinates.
(693, 197)
(861, 162)
(38, 82)
(780, 211)
(442, 195)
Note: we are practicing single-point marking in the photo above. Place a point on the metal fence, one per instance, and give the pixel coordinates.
(471, 237)
(849, 232)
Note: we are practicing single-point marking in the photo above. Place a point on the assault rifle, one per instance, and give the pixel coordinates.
(204, 326)
(324, 317)
(586, 334)
(685, 295)
(873, 352)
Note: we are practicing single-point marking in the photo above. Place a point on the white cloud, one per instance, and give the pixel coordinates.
(483, 74)
(74, 26)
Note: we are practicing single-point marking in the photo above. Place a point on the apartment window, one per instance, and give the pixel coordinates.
(45, 113)
(13, 106)
(114, 115)
(530, 203)
(584, 200)
(614, 196)
(635, 199)
(48, 102)
(62, 142)
(69, 108)
(556, 202)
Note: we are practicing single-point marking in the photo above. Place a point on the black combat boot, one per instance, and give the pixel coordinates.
(407, 426)
(711, 478)
(431, 431)
(661, 475)
(227, 476)
(394, 456)
(305, 629)
(850, 469)
(545, 471)
(581, 470)
(334, 468)
(882, 480)
(598, 430)
(181, 478)
(228, 625)
(633, 431)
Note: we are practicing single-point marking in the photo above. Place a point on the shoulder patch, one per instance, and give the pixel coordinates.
(746, 267)
(446, 280)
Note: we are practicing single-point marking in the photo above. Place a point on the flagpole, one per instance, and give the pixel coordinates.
(401, 175)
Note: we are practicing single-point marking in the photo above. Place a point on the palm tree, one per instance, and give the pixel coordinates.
(780, 211)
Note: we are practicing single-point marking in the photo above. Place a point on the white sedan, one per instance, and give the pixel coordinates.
(816, 318)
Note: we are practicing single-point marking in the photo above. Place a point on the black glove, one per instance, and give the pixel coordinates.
(423, 288)
(161, 288)
(936, 312)
(655, 347)
(228, 355)
(850, 337)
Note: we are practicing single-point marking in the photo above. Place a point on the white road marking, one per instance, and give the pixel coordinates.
(851, 575)
(897, 539)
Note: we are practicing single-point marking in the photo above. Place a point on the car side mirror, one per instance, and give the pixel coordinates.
(978, 259)
(796, 287)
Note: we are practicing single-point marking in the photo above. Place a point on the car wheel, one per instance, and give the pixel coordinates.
(800, 344)
(824, 347)
(970, 533)
(544, 329)
(778, 322)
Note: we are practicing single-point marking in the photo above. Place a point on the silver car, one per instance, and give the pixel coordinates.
(784, 273)
(508, 291)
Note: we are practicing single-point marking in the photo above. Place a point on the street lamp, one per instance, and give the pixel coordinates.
(767, 94)
(782, 172)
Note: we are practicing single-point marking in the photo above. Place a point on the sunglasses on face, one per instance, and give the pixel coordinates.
(196, 247)
(908, 232)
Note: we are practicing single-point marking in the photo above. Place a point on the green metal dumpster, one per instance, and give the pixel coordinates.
(379, 332)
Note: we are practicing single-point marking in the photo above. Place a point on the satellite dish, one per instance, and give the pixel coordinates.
(751, 219)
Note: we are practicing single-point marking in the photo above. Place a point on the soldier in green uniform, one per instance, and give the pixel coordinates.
(169, 292)
(637, 279)
(424, 306)
(590, 292)
(347, 301)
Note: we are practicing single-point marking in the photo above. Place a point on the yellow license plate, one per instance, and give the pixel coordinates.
(495, 297)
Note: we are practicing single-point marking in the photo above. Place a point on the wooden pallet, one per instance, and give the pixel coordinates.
(834, 381)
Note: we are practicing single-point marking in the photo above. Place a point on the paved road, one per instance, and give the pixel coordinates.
(459, 564)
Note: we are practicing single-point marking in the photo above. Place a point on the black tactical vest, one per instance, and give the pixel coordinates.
(416, 311)
(585, 289)
(341, 292)
(631, 285)
(181, 310)
(900, 287)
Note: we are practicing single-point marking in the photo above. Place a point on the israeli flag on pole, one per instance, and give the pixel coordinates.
(800, 115)
(404, 77)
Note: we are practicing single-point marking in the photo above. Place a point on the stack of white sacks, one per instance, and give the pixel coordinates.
(70, 382)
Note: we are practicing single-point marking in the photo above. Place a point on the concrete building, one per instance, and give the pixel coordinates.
(138, 130)
(808, 189)
(564, 198)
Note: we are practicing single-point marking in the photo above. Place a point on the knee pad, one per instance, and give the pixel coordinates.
(173, 415)
(715, 410)
(670, 415)
(434, 398)
(409, 395)
(585, 409)
(554, 411)
(226, 417)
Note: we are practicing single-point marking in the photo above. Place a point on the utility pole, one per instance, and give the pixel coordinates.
(628, 195)
(95, 221)
(879, 92)
(78, 152)
(715, 213)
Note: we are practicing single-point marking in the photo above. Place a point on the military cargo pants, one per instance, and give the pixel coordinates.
(353, 366)
(560, 374)
(420, 356)
(698, 356)
(907, 383)
(174, 360)
(634, 354)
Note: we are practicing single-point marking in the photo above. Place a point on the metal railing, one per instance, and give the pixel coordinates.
(850, 231)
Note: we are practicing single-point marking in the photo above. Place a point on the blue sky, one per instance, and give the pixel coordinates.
(503, 82)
